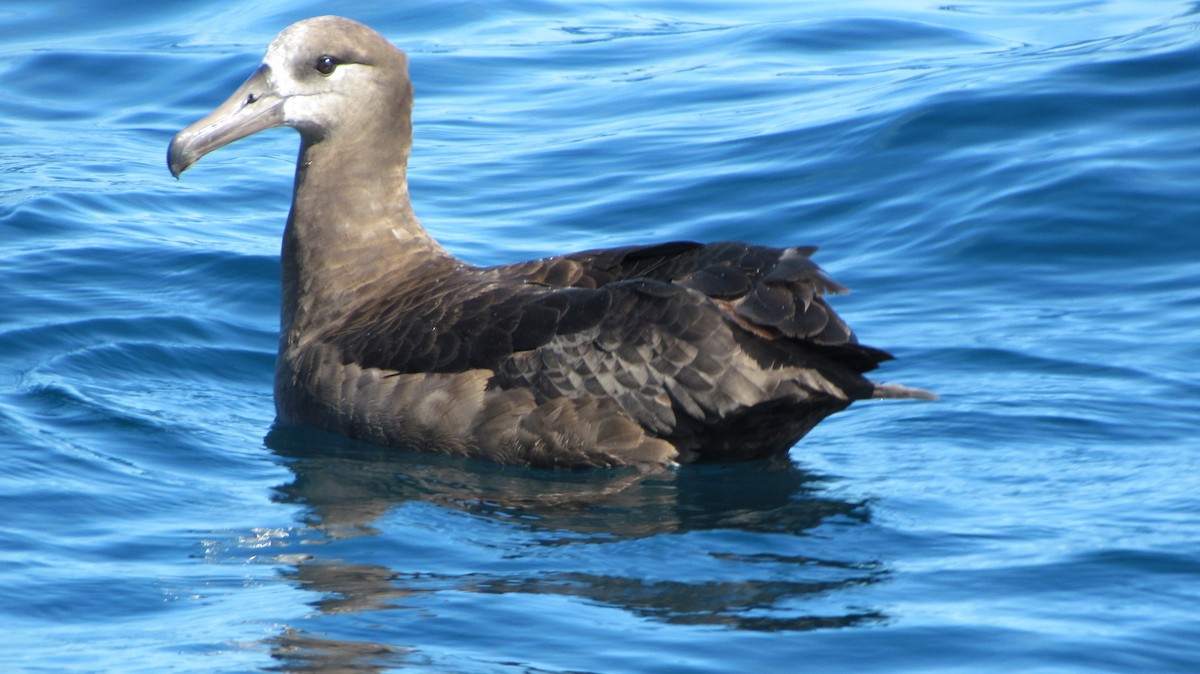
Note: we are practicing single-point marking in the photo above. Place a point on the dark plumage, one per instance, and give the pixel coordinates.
(630, 356)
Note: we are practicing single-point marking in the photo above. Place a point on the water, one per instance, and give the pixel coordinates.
(1008, 186)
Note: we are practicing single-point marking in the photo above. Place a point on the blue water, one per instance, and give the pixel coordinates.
(1009, 186)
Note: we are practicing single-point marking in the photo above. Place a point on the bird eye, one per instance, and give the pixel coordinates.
(325, 64)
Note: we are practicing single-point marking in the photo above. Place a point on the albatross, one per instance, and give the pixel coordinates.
(643, 356)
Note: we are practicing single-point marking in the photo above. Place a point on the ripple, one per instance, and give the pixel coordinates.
(1009, 187)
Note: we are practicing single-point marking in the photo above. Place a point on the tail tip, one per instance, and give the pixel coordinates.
(899, 391)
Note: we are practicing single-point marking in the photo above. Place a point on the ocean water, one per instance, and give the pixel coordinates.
(1008, 186)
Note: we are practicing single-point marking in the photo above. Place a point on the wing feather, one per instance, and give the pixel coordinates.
(663, 330)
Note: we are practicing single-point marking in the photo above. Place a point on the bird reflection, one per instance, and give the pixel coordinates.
(307, 654)
(347, 486)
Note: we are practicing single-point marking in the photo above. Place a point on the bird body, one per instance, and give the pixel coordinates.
(644, 356)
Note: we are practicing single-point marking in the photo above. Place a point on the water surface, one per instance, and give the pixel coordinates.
(1009, 188)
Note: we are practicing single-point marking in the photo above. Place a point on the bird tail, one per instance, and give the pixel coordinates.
(901, 391)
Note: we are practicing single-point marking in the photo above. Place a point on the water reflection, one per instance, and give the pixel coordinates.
(347, 487)
(301, 653)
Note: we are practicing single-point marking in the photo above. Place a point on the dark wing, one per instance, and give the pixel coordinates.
(677, 362)
(457, 323)
(649, 305)
(778, 291)
(657, 349)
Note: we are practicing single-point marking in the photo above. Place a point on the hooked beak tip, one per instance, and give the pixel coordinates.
(252, 108)
(177, 163)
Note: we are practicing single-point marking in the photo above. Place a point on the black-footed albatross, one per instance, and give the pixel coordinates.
(644, 356)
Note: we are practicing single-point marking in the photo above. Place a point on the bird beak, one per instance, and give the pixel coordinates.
(253, 107)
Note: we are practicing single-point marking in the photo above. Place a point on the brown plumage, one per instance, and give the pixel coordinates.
(638, 356)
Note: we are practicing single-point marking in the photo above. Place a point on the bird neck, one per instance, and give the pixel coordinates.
(351, 226)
